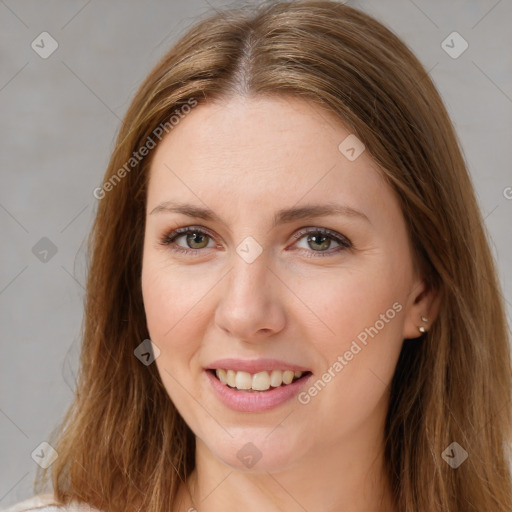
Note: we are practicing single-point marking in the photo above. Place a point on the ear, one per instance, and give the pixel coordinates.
(423, 302)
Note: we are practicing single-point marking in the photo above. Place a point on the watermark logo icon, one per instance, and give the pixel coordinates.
(147, 352)
(44, 455)
(249, 455)
(454, 455)
(454, 45)
(249, 249)
(44, 250)
(351, 147)
(44, 45)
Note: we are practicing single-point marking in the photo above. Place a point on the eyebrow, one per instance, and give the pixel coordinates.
(282, 216)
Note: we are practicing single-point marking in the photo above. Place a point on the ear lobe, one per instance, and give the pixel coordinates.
(421, 310)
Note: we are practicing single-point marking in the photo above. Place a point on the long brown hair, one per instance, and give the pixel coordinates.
(122, 435)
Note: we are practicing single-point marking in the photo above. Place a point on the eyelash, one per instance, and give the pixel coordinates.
(168, 240)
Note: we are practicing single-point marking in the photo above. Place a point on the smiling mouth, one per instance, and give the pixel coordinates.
(257, 382)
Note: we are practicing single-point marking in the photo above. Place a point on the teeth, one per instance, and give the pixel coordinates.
(243, 380)
(222, 375)
(261, 381)
(276, 378)
(288, 377)
(231, 378)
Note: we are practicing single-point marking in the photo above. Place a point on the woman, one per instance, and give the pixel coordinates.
(225, 362)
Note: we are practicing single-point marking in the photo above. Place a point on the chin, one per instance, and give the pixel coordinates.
(257, 454)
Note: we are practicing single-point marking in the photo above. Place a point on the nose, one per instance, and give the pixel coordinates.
(251, 308)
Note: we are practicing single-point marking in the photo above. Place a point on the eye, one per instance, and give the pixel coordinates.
(195, 238)
(319, 240)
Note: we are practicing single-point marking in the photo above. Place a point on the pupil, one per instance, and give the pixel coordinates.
(193, 236)
(323, 238)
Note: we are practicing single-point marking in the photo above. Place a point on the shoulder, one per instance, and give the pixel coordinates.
(47, 503)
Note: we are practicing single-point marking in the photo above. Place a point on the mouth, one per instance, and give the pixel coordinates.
(259, 382)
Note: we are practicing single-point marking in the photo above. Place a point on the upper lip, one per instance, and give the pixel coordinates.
(254, 365)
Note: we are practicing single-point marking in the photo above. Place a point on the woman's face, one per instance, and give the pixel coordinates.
(271, 284)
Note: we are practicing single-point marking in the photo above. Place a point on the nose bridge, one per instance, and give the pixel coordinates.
(249, 277)
(249, 303)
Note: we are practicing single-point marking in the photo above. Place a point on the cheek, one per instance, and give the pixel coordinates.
(361, 311)
(169, 309)
(343, 302)
(169, 302)
(172, 299)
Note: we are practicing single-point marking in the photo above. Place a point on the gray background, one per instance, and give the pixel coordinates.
(59, 117)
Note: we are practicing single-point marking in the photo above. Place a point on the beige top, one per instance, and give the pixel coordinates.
(47, 503)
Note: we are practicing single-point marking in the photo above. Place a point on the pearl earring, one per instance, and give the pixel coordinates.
(421, 328)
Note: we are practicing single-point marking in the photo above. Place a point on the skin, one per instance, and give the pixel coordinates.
(245, 158)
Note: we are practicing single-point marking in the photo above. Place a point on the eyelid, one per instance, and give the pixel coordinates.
(341, 239)
(175, 232)
(344, 242)
(168, 238)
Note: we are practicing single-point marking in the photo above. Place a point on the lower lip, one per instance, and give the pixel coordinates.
(257, 401)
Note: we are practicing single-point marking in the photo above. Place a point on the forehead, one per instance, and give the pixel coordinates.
(247, 152)
(288, 126)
